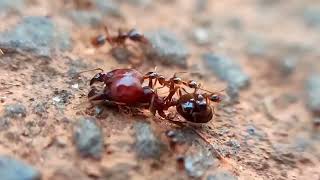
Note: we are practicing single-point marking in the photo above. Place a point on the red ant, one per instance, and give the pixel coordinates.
(118, 40)
(123, 87)
(195, 107)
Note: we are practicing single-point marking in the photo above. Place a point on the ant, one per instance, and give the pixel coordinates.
(174, 83)
(196, 108)
(123, 87)
(118, 40)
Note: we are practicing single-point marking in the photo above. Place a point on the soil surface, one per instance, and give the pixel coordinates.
(262, 53)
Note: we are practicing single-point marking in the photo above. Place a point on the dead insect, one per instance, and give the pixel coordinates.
(124, 87)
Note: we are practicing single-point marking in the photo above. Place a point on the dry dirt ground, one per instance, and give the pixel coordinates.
(269, 134)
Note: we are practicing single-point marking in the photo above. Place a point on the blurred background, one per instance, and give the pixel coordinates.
(264, 53)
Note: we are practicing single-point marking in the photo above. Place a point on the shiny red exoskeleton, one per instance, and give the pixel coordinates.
(125, 87)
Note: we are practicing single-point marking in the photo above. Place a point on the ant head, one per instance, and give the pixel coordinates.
(161, 79)
(98, 40)
(215, 97)
(192, 84)
(134, 35)
(177, 80)
(152, 74)
(97, 78)
(201, 102)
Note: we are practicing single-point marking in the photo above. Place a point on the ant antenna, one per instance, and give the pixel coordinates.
(106, 29)
(96, 69)
(221, 90)
(175, 74)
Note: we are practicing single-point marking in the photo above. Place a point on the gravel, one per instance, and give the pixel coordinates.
(13, 169)
(37, 35)
(11, 5)
(167, 48)
(227, 69)
(200, 36)
(88, 138)
(147, 143)
(85, 18)
(311, 17)
(17, 110)
(313, 91)
(222, 175)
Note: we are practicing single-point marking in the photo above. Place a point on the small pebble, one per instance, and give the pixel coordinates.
(148, 145)
(222, 175)
(227, 69)
(288, 65)
(35, 34)
(311, 17)
(11, 5)
(313, 91)
(15, 110)
(167, 48)
(85, 18)
(75, 86)
(201, 36)
(13, 169)
(4, 123)
(198, 161)
(119, 171)
(88, 138)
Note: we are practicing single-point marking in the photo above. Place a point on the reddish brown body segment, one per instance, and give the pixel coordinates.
(194, 110)
(127, 89)
(124, 87)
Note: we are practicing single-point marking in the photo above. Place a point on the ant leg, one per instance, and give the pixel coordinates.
(150, 83)
(172, 92)
(106, 31)
(151, 107)
(96, 97)
(113, 103)
(155, 82)
(162, 114)
(183, 89)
